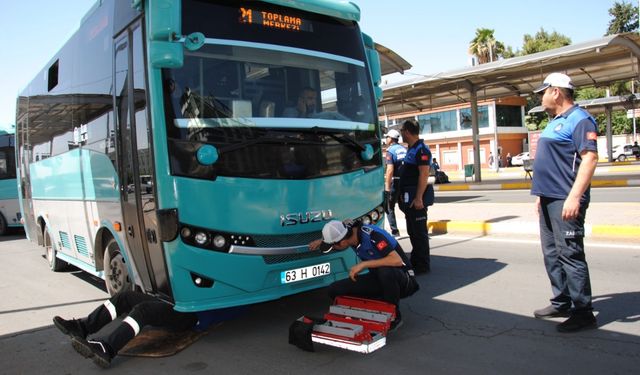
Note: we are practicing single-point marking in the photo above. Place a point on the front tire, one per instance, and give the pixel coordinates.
(116, 275)
(622, 158)
(55, 263)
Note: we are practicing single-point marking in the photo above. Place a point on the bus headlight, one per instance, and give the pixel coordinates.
(185, 232)
(374, 216)
(219, 241)
(201, 238)
(366, 220)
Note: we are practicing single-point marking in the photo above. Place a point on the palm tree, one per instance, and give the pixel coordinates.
(485, 46)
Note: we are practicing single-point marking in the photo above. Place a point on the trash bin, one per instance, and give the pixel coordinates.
(468, 171)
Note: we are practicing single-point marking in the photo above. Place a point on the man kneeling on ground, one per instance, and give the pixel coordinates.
(390, 275)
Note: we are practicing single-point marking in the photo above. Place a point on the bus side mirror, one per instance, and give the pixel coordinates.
(373, 58)
(164, 31)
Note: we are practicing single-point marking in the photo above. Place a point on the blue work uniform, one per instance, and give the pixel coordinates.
(417, 155)
(394, 156)
(388, 284)
(555, 168)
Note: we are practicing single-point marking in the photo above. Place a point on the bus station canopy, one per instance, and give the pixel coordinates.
(391, 62)
(601, 105)
(594, 63)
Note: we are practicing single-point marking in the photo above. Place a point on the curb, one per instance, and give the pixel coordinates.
(531, 228)
(527, 185)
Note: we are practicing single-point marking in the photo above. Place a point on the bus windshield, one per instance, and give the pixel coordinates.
(268, 89)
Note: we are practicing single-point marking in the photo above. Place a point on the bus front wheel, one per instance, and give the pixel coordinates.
(116, 276)
(55, 263)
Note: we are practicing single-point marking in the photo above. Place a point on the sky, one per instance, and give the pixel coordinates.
(432, 35)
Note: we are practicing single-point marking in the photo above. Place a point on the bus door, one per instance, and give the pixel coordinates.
(136, 162)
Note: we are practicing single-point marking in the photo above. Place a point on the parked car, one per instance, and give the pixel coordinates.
(622, 152)
(519, 159)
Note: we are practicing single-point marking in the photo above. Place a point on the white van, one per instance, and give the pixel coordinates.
(622, 152)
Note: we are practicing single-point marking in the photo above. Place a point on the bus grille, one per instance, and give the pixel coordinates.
(291, 240)
(81, 245)
(64, 238)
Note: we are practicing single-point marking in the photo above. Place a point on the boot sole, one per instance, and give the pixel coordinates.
(561, 329)
(83, 348)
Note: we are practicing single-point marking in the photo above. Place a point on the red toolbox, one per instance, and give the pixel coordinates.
(356, 324)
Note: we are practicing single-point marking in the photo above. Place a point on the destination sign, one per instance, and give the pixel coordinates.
(273, 20)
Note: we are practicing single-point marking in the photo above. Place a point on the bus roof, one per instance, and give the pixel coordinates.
(339, 9)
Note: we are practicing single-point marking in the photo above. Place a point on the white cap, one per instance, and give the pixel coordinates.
(332, 233)
(393, 133)
(556, 80)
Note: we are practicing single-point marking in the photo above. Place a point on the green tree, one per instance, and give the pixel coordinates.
(543, 41)
(485, 46)
(624, 18)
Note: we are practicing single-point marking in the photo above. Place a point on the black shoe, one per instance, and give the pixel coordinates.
(421, 270)
(96, 350)
(72, 328)
(578, 322)
(550, 312)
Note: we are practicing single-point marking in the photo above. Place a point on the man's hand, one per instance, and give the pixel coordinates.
(417, 203)
(570, 208)
(314, 245)
(355, 270)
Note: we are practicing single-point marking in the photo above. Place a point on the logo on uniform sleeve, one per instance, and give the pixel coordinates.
(592, 136)
(424, 157)
(381, 245)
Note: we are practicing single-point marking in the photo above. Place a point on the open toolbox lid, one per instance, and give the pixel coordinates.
(355, 324)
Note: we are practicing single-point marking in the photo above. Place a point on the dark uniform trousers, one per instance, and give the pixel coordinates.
(564, 258)
(144, 309)
(391, 206)
(419, 236)
(388, 284)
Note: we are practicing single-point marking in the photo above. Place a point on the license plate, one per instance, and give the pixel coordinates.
(305, 273)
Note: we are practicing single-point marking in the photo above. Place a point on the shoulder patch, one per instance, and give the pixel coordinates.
(592, 136)
(367, 230)
(381, 245)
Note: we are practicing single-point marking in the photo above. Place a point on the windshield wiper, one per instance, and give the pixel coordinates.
(344, 139)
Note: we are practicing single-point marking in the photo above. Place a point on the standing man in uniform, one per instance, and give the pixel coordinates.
(390, 276)
(416, 194)
(565, 161)
(393, 159)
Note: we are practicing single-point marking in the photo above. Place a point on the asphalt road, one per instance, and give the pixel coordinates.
(613, 194)
(473, 314)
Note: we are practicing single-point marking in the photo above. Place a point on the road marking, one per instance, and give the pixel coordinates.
(587, 243)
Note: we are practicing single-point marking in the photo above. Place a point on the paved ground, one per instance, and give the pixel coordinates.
(472, 315)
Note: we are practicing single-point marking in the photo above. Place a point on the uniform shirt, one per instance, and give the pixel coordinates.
(375, 243)
(418, 154)
(395, 155)
(558, 155)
